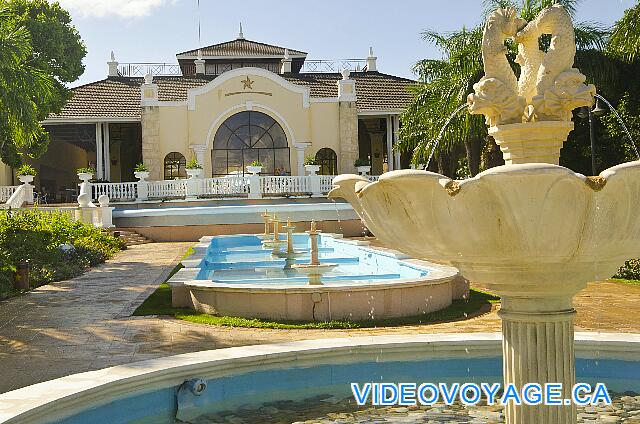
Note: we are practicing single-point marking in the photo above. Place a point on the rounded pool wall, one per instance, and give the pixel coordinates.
(404, 287)
(154, 391)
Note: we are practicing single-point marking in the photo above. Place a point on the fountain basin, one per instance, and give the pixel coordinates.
(234, 276)
(242, 378)
(528, 231)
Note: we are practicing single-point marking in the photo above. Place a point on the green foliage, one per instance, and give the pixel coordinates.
(630, 270)
(141, 167)
(26, 170)
(361, 162)
(193, 164)
(40, 51)
(256, 163)
(86, 171)
(310, 160)
(36, 236)
(625, 37)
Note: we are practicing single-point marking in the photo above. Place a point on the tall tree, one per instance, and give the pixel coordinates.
(51, 48)
(625, 37)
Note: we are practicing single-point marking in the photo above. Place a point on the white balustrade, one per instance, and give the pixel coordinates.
(167, 188)
(6, 192)
(278, 185)
(232, 186)
(225, 186)
(115, 191)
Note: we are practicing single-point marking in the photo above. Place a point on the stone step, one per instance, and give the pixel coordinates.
(131, 238)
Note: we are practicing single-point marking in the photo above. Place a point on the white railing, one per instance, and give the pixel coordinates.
(335, 65)
(227, 186)
(21, 195)
(278, 185)
(155, 69)
(237, 186)
(167, 189)
(115, 191)
(326, 183)
(6, 192)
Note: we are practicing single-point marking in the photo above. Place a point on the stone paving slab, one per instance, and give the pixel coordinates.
(84, 324)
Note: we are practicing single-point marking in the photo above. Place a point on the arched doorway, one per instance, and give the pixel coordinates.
(328, 161)
(175, 166)
(246, 137)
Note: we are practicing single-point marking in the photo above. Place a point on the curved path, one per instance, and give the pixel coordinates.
(84, 323)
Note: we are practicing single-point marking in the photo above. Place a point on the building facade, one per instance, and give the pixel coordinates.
(225, 105)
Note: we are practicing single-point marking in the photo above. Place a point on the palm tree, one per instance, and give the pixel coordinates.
(445, 84)
(625, 37)
(22, 88)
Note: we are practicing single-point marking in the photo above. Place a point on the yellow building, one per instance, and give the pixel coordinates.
(225, 105)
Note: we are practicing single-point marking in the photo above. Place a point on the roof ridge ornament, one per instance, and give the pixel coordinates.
(240, 34)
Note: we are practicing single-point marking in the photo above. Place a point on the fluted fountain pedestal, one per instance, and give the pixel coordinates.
(538, 348)
(536, 142)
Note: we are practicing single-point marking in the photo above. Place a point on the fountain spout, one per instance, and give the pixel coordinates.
(314, 269)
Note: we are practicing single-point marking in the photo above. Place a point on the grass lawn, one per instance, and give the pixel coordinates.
(159, 303)
(623, 281)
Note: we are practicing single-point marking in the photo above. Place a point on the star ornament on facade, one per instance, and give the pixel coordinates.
(247, 83)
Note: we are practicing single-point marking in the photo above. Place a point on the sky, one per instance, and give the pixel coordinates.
(155, 30)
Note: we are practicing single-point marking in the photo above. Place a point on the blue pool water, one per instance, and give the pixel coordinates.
(241, 259)
(229, 393)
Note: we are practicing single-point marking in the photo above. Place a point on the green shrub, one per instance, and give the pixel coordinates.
(310, 160)
(36, 237)
(141, 167)
(630, 270)
(256, 163)
(193, 164)
(361, 162)
(86, 171)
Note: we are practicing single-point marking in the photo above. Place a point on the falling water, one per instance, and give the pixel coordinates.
(615, 112)
(446, 124)
(338, 216)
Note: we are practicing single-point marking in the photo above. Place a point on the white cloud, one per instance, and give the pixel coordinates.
(120, 8)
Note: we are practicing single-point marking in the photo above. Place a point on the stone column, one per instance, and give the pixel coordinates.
(300, 147)
(99, 152)
(538, 348)
(348, 124)
(151, 141)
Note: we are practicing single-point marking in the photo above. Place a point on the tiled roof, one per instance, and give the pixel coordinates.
(110, 98)
(242, 48)
(120, 97)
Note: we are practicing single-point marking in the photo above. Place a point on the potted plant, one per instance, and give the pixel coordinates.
(311, 165)
(194, 168)
(362, 165)
(26, 173)
(255, 167)
(141, 171)
(85, 174)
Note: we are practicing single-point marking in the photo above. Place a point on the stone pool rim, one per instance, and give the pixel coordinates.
(55, 399)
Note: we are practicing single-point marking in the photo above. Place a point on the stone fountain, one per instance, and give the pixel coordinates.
(275, 242)
(314, 269)
(291, 253)
(266, 217)
(531, 231)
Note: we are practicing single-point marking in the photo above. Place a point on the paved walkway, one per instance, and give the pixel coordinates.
(85, 324)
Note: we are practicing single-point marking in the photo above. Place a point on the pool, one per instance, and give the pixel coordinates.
(244, 379)
(236, 276)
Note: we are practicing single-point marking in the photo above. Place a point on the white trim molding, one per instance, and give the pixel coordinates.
(380, 112)
(192, 93)
(88, 120)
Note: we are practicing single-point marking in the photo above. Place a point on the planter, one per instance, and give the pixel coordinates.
(141, 175)
(363, 170)
(254, 169)
(194, 173)
(26, 179)
(85, 177)
(312, 169)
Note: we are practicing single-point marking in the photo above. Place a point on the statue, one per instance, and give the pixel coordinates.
(548, 89)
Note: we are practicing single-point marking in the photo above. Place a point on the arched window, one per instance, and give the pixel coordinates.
(328, 161)
(174, 166)
(246, 137)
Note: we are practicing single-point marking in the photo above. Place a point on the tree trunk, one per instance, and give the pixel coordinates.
(472, 147)
(491, 154)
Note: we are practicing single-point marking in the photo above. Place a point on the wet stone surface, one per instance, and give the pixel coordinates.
(326, 409)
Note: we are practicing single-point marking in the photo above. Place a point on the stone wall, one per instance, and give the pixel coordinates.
(348, 137)
(151, 142)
